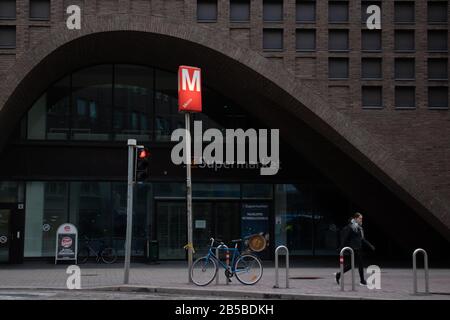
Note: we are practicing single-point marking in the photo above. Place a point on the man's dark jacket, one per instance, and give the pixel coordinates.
(353, 238)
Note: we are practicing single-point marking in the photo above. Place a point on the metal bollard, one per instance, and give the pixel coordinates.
(217, 255)
(341, 262)
(425, 258)
(276, 266)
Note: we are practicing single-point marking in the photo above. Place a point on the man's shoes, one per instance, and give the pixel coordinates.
(363, 283)
(337, 277)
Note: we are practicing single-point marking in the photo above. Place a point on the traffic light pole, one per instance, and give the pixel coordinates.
(190, 245)
(131, 150)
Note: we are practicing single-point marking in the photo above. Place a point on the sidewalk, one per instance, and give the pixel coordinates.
(172, 277)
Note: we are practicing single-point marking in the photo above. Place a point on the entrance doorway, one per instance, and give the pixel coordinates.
(11, 233)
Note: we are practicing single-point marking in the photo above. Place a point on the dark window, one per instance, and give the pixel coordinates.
(405, 97)
(438, 97)
(7, 37)
(371, 40)
(40, 9)
(7, 9)
(272, 39)
(92, 92)
(337, 68)
(438, 69)
(207, 10)
(404, 40)
(371, 68)
(306, 40)
(338, 11)
(404, 12)
(372, 97)
(239, 10)
(273, 10)
(437, 40)
(437, 11)
(404, 68)
(364, 6)
(338, 40)
(306, 11)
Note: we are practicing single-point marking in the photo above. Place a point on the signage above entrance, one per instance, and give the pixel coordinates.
(189, 89)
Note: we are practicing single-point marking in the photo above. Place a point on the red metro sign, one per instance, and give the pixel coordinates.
(189, 89)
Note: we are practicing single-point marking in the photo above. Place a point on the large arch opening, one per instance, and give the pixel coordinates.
(265, 102)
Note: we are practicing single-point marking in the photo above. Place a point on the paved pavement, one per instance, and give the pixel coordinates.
(172, 278)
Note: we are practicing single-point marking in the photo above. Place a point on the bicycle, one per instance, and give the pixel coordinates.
(246, 267)
(106, 254)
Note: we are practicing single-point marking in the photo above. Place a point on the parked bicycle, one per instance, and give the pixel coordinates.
(106, 254)
(246, 267)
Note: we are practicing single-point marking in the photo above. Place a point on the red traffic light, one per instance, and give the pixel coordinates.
(143, 154)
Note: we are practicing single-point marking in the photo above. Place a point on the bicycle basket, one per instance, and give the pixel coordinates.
(257, 243)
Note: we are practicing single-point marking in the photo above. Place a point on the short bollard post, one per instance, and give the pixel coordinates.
(217, 255)
(425, 261)
(277, 250)
(341, 262)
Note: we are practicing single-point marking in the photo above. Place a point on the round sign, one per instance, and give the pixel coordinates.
(257, 243)
(46, 227)
(66, 242)
(67, 228)
(3, 239)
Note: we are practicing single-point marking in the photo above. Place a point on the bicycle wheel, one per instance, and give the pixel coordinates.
(248, 269)
(83, 255)
(108, 255)
(203, 271)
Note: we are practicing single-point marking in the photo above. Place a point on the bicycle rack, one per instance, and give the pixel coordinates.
(425, 258)
(341, 262)
(276, 266)
(217, 255)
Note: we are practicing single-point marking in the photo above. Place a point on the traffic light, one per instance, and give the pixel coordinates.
(142, 164)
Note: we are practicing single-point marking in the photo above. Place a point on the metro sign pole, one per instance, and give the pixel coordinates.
(189, 100)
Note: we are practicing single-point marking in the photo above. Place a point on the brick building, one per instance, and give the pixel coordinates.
(363, 116)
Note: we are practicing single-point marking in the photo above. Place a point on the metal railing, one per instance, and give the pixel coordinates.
(276, 266)
(217, 255)
(425, 258)
(341, 262)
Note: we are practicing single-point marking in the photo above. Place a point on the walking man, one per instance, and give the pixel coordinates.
(352, 236)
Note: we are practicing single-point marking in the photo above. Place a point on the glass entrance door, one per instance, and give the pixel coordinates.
(5, 239)
(171, 229)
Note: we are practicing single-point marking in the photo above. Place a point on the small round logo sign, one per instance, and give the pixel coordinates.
(66, 242)
(3, 239)
(46, 227)
(67, 228)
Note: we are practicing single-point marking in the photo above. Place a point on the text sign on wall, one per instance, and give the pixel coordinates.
(189, 89)
(66, 242)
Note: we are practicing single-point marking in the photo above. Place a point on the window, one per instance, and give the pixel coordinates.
(8, 9)
(7, 37)
(207, 10)
(404, 12)
(437, 40)
(273, 10)
(338, 40)
(405, 97)
(338, 11)
(404, 69)
(305, 11)
(372, 97)
(371, 40)
(371, 68)
(338, 68)
(404, 40)
(437, 69)
(306, 40)
(437, 12)
(438, 97)
(40, 9)
(364, 6)
(273, 39)
(240, 10)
